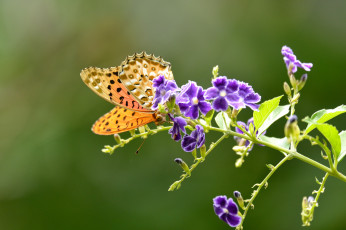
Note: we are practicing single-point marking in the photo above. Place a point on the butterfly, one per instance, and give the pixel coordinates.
(130, 88)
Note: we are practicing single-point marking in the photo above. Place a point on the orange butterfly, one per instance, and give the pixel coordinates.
(129, 88)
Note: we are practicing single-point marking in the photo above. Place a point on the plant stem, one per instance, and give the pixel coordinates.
(264, 182)
(320, 190)
(198, 161)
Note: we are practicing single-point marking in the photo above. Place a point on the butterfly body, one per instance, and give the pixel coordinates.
(129, 88)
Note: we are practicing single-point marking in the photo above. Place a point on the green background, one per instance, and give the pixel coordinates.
(52, 172)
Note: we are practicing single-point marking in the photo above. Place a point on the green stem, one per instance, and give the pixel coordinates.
(199, 160)
(264, 182)
(320, 190)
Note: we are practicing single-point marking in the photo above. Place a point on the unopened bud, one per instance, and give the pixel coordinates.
(239, 198)
(287, 89)
(203, 150)
(291, 128)
(215, 71)
(183, 165)
(302, 81)
(161, 108)
(293, 81)
(171, 102)
(296, 98)
(238, 148)
(132, 132)
(239, 162)
(194, 153)
(117, 138)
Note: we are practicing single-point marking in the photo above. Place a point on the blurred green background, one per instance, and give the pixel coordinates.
(53, 174)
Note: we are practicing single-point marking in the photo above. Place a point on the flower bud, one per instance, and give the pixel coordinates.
(203, 150)
(171, 103)
(132, 132)
(215, 71)
(183, 165)
(117, 138)
(238, 148)
(293, 81)
(141, 129)
(287, 89)
(239, 198)
(161, 108)
(292, 129)
(302, 81)
(239, 162)
(194, 153)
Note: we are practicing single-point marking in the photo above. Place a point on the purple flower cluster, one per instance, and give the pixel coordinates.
(164, 89)
(227, 210)
(191, 100)
(231, 92)
(289, 58)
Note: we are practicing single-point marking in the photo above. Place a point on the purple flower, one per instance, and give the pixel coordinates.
(246, 127)
(179, 124)
(227, 210)
(223, 93)
(289, 58)
(196, 138)
(191, 100)
(232, 92)
(163, 90)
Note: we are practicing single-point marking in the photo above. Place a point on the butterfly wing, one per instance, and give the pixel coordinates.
(137, 73)
(105, 82)
(120, 120)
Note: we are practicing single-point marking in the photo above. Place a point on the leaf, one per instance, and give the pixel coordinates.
(279, 112)
(322, 116)
(222, 120)
(343, 145)
(282, 142)
(332, 135)
(264, 111)
(209, 116)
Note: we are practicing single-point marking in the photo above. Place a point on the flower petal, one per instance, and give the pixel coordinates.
(233, 220)
(220, 103)
(211, 93)
(220, 201)
(220, 82)
(192, 112)
(204, 106)
(183, 107)
(232, 206)
(181, 122)
(252, 98)
(232, 86)
(240, 123)
(188, 143)
(253, 106)
(218, 210)
(233, 97)
(158, 81)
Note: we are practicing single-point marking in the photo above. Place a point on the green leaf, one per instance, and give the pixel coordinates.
(279, 112)
(322, 116)
(332, 135)
(209, 116)
(264, 111)
(222, 120)
(343, 145)
(282, 142)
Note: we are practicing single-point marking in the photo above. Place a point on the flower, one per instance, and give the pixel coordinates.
(179, 123)
(196, 138)
(246, 127)
(191, 100)
(227, 210)
(223, 93)
(289, 58)
(163, 90)
(232, 92)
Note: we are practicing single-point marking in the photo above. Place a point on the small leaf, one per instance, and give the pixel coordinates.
(282, 142)
(322, 116)
(332, 135)
(343, 145)
(279, 112)
(265, 109)
(209, 116)
(222, 120)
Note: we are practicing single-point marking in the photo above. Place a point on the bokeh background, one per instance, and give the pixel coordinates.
(53, 174)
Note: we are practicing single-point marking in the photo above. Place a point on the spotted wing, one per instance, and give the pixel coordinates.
(105, 82)
(137, 73)
(120, 120)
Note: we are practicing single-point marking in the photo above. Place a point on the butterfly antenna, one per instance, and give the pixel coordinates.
(140, 146)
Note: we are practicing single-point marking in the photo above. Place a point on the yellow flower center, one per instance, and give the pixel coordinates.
(223, 93)
(195, 100)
